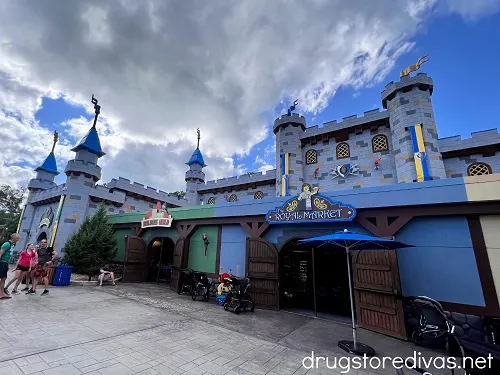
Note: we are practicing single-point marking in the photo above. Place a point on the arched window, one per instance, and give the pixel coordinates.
(258, 195)
(311, 157)
(380, 143)
(233, 198)
(343, 150)
(478, 169)
(211, 200)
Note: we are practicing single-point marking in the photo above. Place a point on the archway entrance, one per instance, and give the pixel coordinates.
(314, 282)
(41, 236)
(160, 258)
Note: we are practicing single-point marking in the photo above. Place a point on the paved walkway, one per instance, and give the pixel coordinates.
(146, 329)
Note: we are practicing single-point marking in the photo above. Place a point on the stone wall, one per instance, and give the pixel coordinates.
(457, 166)
(242, 195)
(361, 154)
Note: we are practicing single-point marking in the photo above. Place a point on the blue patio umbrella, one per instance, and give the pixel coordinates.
(351, 241)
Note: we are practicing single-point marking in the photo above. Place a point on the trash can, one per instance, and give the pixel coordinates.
(62, 276)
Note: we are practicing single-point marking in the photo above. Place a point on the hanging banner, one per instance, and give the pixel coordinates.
(419, 154)
(157, 217)
(285, 165)
(20, 220)
(310, 207)
(56, 223)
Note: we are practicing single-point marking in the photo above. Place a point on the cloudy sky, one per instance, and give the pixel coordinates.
(161, 69)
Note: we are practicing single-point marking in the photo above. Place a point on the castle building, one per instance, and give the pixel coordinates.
(397, 145)
(386, 173)
(54, 212)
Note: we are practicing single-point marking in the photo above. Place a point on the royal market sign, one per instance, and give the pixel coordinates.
(157, 217)
(312, 209)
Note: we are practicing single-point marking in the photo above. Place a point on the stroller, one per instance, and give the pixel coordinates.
(186, 281)
(201, 286)
(434, 326)
(239, 299)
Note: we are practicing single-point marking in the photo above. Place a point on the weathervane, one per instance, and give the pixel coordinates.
(292, 108)
(198, 131)
(97, 109)
(56, 138)
(414, 68)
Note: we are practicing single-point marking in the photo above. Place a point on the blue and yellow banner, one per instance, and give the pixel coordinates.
(419, 154)
(56, 223)
(20, 220)
(284, 173)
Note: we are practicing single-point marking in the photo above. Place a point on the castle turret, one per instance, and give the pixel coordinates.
(413, 129)
(44, 180)
(88, 152)
(45, 173)
(289, 169)
(195, 175)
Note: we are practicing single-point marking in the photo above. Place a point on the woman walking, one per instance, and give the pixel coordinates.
(23, 268)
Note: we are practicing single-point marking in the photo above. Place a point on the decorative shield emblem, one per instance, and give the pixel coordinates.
(345, 170)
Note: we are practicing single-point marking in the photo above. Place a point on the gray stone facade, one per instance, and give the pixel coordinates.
(314, 150)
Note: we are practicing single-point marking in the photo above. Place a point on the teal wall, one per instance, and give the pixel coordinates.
(120, 239)
(197, 259)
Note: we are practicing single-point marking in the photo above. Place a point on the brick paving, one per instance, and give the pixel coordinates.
(147, 329)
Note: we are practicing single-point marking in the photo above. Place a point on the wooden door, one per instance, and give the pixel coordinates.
(136, 261)
(377, 291)
(262, 270)
(179, 261)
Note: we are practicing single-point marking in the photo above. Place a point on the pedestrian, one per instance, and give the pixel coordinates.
(40, 273)
(5, 254)
(23, 268)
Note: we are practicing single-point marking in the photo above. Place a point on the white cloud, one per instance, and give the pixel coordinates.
(162, 69)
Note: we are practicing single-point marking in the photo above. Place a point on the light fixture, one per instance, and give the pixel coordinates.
(206, 242)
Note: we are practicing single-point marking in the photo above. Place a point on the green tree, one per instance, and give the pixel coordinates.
(180, 194)
(11, 200)
(92, 246)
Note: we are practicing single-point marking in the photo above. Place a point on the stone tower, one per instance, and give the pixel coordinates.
(289, 169)
(44, 180)
(410, 109)
(195, 175)
(82, 174)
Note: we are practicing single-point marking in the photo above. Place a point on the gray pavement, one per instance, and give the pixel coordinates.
(147, 329)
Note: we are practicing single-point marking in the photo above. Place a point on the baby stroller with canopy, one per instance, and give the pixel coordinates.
(201, 286)
(239, 299)
(186, 281)
(434, 326)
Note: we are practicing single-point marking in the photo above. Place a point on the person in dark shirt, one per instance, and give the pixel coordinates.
(106, 274)
(40, 273)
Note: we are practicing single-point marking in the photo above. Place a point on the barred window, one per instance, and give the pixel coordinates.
(211, 200)
(380, 143)
(258, 195)
(311, 157)
(343, 150)
(478, 169)
(233, 198)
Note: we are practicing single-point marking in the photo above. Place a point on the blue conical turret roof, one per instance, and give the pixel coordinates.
(196, 158)
(49, 165)
(91, 143)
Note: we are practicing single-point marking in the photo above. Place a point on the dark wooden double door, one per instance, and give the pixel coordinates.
(377, 287)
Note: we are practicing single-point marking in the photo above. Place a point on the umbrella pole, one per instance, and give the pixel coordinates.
(351, 296)
(314, 283)
(354, 347)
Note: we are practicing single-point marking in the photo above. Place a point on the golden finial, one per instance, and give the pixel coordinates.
(414, 68)
(199, 135)
(56, 138)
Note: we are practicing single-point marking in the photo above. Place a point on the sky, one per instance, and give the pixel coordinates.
(165, 68)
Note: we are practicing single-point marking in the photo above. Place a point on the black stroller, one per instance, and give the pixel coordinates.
(434, 327)
(186, 281)
(239, 299)
(201, 286)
